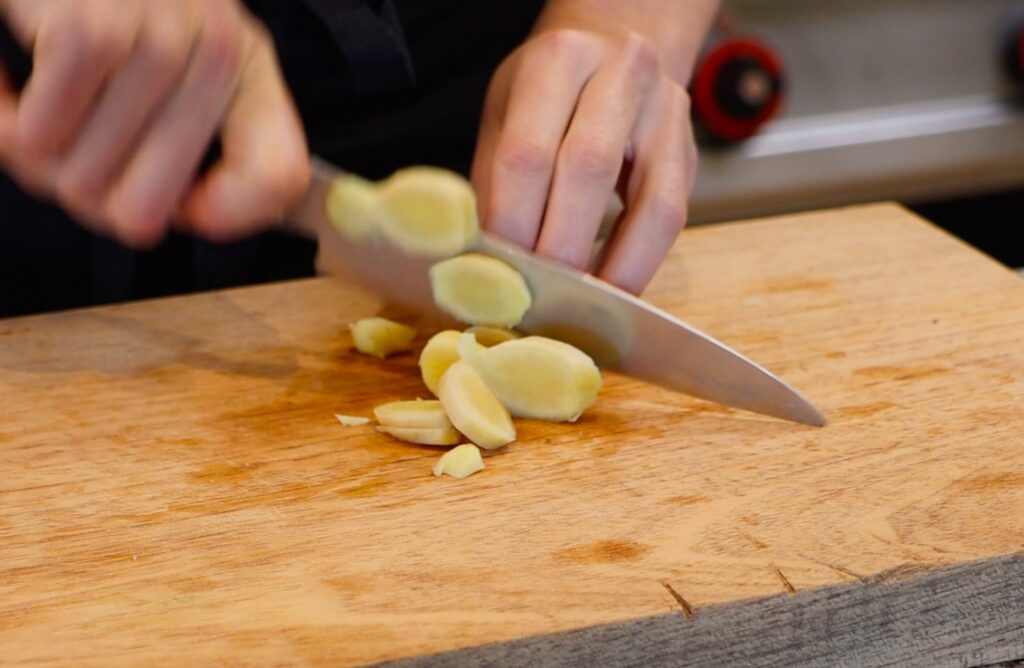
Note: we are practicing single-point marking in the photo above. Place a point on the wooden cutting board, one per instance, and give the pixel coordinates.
(175, 489)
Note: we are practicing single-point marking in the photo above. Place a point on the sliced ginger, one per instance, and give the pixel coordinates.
(460, 462)
(381, 337)
(428, 211)
(440, 353)
(480, 290)
(352, 206)
(536, 377)
(428, 436)
(473, 408)
(489, 337)
(413, 415)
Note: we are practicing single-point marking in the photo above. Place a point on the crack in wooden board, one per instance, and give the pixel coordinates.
(976, 609)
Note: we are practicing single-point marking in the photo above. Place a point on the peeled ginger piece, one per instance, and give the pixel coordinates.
(431, 436)
(440, 353)
(412, 415)
(381, 337)
(480, 290)
(352, 206)
(539, 378)
(492, 336)
(428, 211)
(473, 408)
(460, 462)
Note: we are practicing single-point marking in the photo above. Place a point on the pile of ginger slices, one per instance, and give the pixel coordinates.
(482, 378)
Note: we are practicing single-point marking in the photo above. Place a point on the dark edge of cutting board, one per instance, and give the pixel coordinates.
(967, 615)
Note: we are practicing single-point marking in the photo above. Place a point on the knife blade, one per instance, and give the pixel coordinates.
(620, 331)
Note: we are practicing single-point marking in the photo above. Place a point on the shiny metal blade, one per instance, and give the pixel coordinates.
(618, 330)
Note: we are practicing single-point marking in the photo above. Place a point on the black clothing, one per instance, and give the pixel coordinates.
(380, 84)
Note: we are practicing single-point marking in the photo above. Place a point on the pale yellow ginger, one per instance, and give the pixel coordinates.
(492, 336)
(352, 420)
(480, 290)
(413, 415)
(440, 353)
(536, 377)
(473, 408)
(460, 462)
(428, 436)
(381, 337)
(352, 206)
(428, 211)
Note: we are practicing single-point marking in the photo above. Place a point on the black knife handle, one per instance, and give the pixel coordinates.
(17, 67)
(17, 64)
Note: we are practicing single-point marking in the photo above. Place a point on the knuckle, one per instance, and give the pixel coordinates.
(564, 42)
(593, 156)
(669, 211)
(522, 155)
(73, 190)
(220, 47)
(640, 54)
(101, 43)
(164, 55)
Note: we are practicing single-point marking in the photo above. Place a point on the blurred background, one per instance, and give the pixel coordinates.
(804, 104)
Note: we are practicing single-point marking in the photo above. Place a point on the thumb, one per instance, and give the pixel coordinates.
(265, 164)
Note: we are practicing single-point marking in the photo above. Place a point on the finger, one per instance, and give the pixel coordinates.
(542, 98)
(591, 156)
(74, 53)
(166, 161)
(657, 197)
(487, 140)
(265, 165)
(129, 101)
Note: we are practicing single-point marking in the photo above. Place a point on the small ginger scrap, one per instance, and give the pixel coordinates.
(460, 462)
(352, 420)
(381, 337)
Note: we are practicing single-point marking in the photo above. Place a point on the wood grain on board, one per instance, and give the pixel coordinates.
(175, 487)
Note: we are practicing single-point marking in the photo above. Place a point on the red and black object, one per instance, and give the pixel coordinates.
(738, 87)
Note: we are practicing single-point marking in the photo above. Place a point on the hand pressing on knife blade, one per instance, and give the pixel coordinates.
(594, 101)
(124, 98)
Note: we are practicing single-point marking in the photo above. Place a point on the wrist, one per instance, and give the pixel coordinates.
(675, 28)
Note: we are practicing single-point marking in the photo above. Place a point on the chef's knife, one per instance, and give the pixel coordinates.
(618, 330)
